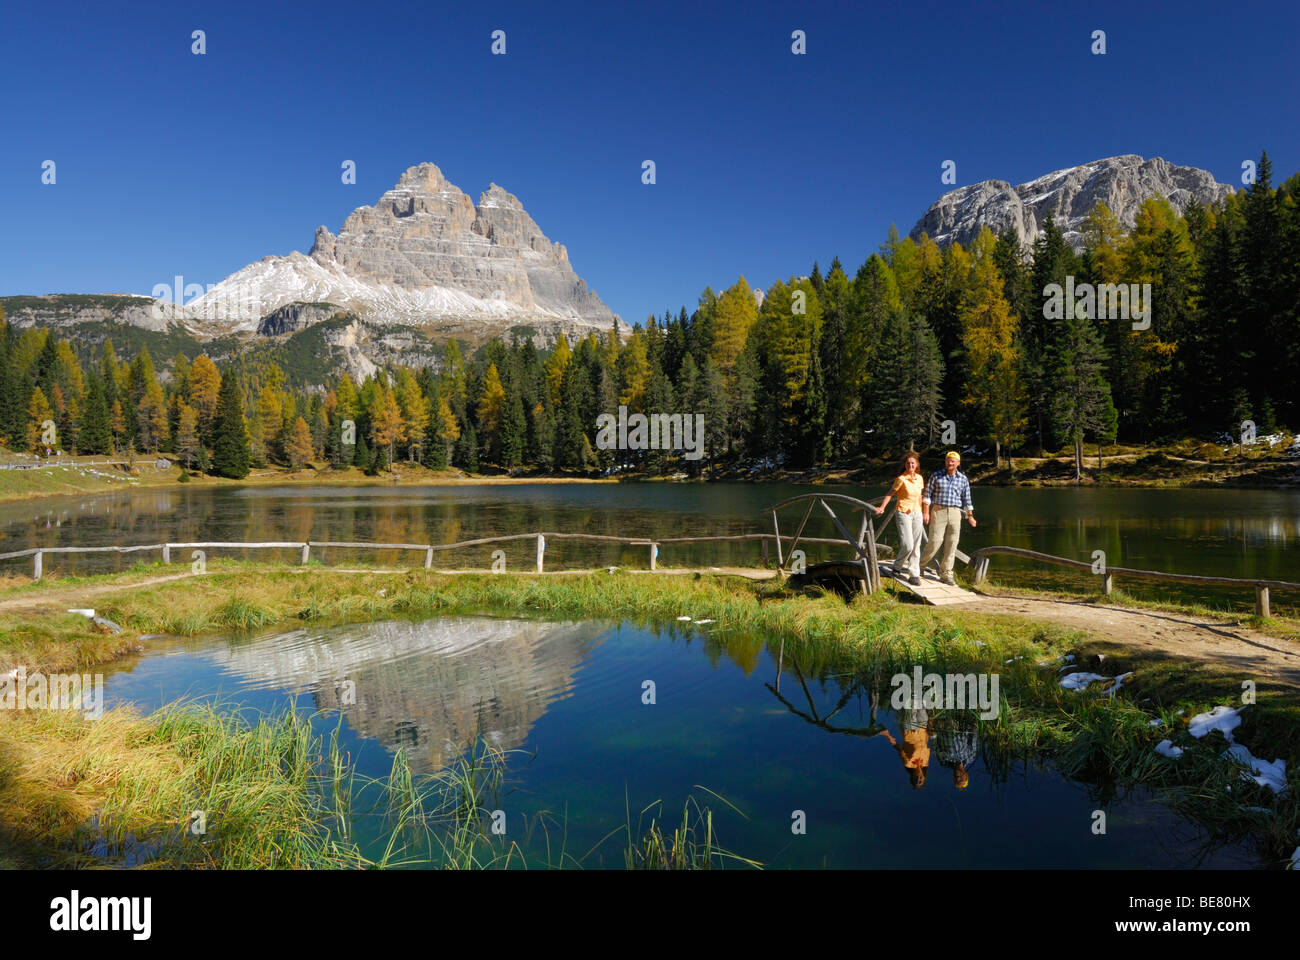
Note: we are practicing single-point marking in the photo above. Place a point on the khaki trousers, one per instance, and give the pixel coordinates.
(945, 531)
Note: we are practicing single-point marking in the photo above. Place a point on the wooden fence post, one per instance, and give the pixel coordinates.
(1261, 600)
(306, 549)
(1107, 582)
(167, 553)
(872, 562)
(541, 550)
(428, 558)
(654, 555)
(36, 566)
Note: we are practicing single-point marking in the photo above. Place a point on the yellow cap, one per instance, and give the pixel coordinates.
(954, 454)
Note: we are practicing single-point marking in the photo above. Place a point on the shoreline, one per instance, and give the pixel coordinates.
(72, 481)
(1039, 715)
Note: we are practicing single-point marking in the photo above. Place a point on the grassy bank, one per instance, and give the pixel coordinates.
(72, 478)
(1108, 740)
(1187, 463)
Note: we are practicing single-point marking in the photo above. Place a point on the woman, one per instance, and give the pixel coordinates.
(907, 488)
(914, 751)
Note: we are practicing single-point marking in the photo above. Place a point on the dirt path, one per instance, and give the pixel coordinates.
(72, 596)
(1157, 631)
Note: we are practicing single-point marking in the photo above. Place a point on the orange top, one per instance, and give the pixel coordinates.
(916, 748)
(908, 491)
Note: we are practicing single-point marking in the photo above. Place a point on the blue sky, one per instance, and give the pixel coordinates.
(170, 163)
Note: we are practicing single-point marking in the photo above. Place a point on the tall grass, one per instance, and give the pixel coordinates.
(692, 846)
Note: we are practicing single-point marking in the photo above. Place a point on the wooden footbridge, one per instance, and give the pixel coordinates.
(864, 572)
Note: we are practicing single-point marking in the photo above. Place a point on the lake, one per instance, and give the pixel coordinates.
(570, 697)
(1238, 533)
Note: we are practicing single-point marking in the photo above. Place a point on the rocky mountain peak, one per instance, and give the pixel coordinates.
(424, 178)
(495, 196)
(422, 255)
(1124, 183)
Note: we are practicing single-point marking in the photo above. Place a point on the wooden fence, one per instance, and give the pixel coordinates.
(981, 560)
(305, 546)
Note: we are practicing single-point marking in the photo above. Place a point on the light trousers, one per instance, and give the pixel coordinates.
(945, 531)
(909, 543)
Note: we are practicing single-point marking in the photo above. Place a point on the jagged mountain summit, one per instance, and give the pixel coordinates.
(1123, 182)
(423, 265)
(424, 253)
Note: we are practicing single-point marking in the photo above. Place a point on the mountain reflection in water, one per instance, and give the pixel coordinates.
(430, 687)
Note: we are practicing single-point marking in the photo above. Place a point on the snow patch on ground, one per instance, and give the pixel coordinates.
(1080, 681)
(1271, 775)
(1166, 748)
(1223, 719)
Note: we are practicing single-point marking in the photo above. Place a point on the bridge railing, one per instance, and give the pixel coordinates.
(863, 545)
(983, 555)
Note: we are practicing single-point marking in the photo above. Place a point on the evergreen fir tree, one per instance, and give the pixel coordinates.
(95, 435)
(513, 431)
(230, 456)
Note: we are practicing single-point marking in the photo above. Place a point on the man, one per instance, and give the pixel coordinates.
(947, 496)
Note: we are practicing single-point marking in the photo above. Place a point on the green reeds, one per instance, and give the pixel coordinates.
(693, 844)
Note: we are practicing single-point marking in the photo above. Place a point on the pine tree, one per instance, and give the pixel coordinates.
(1080, 394)
(732, 316)
(270, 421)
(151, 418)
(841, 397)
(1053, 262)
(95, 435)
(187, 436)
(513, 430)
(446, 431)
(230, 456)
(467, 449)
(387, 425)
(994, 390)
(556, 364)
(491, 410)
(299, 449)
(39, 420)
(571, 441)
(814, 441)
(414, 408)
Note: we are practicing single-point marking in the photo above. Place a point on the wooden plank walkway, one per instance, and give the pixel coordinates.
(932, 590)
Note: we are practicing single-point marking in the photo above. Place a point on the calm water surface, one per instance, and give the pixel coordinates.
(1239, 533)
(569, 695)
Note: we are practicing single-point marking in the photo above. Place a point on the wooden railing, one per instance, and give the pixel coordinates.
(863, 545)
(305, 546)
(1108, 574)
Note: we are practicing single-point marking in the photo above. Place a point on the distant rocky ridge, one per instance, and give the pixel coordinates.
(1123, 182)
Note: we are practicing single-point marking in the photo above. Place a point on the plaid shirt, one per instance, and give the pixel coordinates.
(949, 491)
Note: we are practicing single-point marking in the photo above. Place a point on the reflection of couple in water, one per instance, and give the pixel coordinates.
(956, 742)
